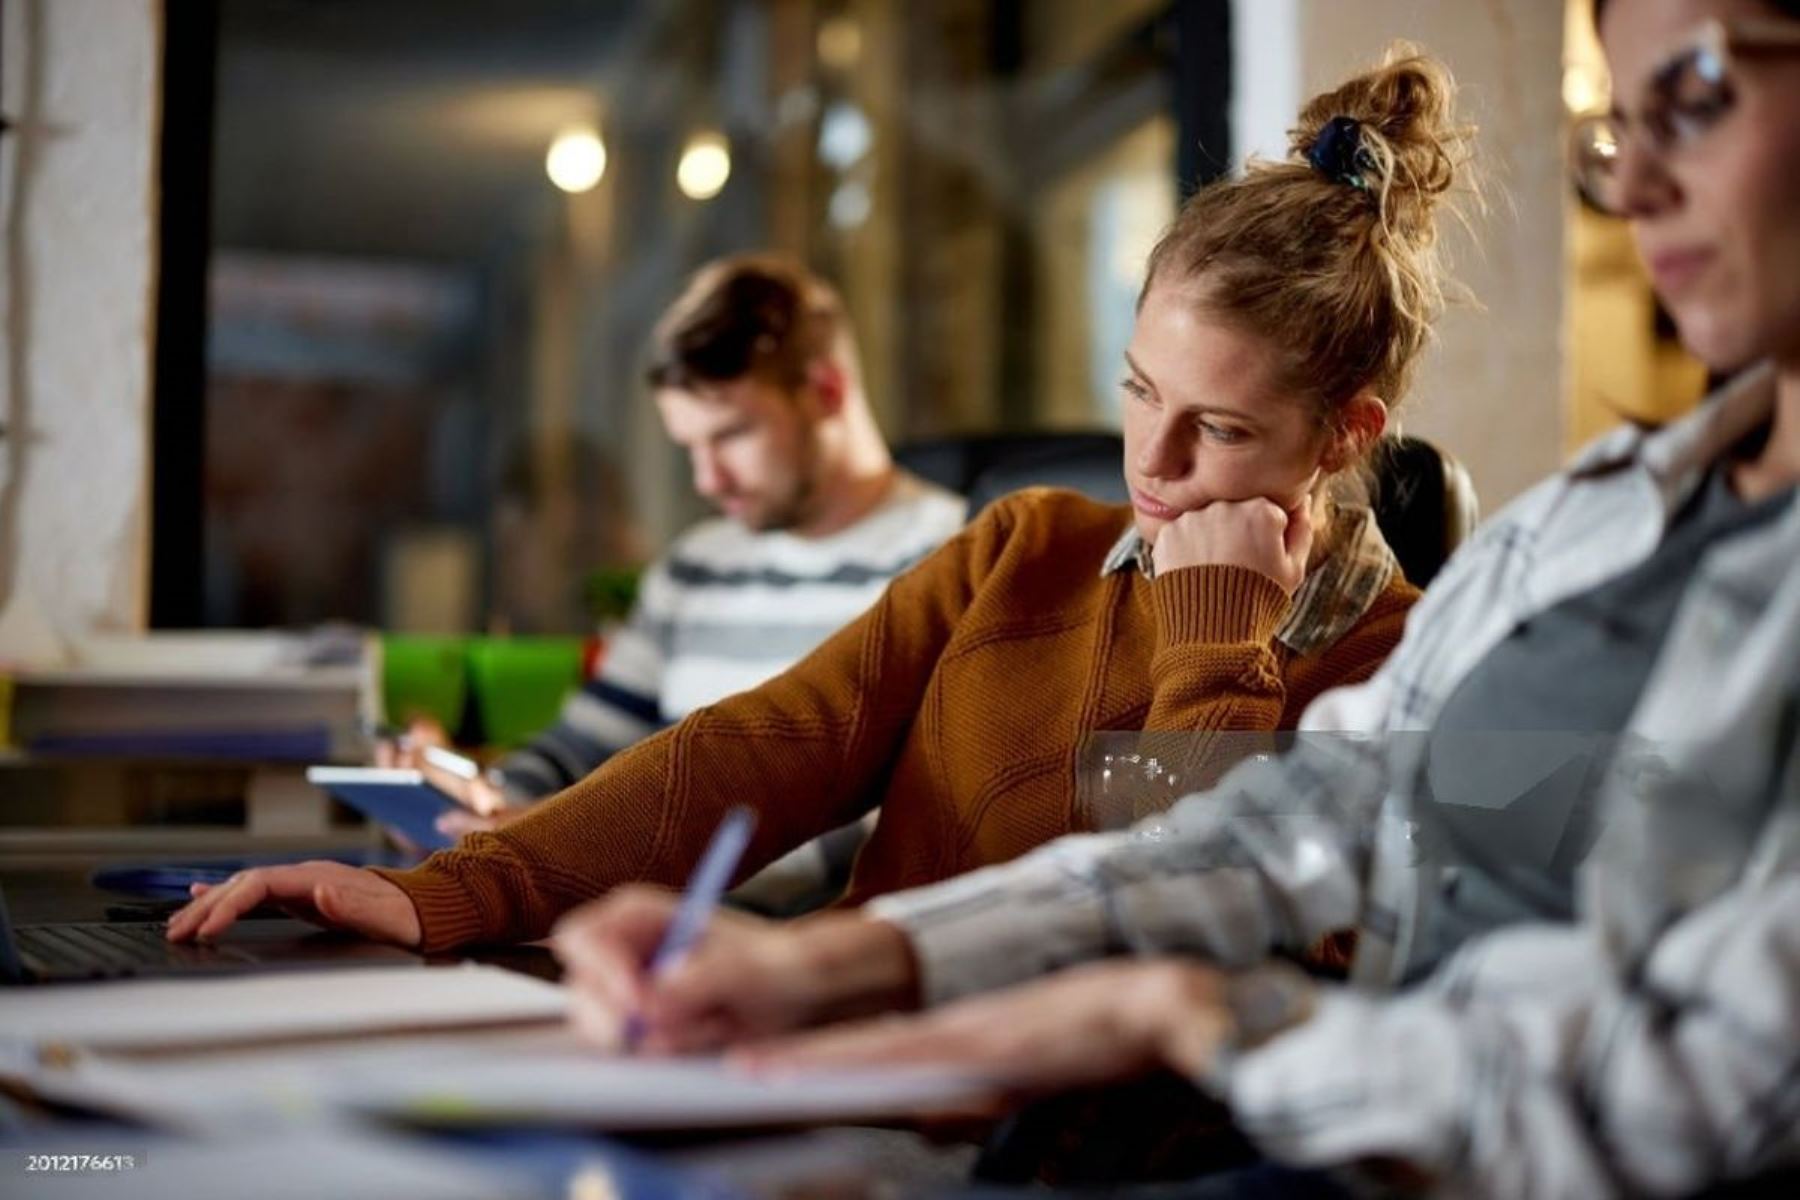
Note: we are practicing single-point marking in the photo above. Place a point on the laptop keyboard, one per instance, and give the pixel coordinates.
(109, 951)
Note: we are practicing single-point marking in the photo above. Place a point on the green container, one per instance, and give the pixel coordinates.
(424, 676)
(520, 683)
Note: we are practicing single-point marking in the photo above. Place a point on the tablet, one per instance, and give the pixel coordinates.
(395, 798)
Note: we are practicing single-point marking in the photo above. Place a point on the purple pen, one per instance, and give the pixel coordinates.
(706, 886)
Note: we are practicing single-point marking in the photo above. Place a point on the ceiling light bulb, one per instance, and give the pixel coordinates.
(705, 166)
(577, 160)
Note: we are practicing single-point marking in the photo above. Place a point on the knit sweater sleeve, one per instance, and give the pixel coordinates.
(1215, 666)
(806, 751)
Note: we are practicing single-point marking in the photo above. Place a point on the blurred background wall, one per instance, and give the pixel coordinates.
(79, 87)
(1494, 386)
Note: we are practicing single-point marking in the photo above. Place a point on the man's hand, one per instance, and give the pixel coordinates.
(326, 893)
(1257, 534)
(746, 978)
(478, 795)
(488, 807)
(1102, 1023)
(408, 749)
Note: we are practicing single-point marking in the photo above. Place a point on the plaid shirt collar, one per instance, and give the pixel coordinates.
(1336, 593)
(1677, 456)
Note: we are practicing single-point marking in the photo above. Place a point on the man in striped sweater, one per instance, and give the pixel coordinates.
(754, 373)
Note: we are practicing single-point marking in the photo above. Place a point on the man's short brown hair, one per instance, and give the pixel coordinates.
(750, 314)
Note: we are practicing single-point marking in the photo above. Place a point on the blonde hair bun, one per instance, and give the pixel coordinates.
(1336, 266)
(1413, 149)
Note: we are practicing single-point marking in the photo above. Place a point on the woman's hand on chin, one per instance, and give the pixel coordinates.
(1258, 534)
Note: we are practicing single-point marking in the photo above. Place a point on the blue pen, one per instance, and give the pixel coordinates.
(705, 888)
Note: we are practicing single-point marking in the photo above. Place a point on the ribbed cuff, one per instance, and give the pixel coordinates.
(1216, 604)
(448, 914)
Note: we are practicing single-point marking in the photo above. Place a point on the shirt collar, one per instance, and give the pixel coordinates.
(1129, 551)
(1336, 593)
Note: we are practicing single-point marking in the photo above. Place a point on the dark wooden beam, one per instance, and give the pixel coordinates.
(178, 421)
(1202, 92)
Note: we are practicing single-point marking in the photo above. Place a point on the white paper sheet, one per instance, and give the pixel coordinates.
(252, 1087)
(163, 1013)
(541, 1077)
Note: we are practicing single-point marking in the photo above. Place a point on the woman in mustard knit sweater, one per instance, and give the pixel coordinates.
(1281, 319)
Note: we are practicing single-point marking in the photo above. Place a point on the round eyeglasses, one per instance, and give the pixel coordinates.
(1687, 97)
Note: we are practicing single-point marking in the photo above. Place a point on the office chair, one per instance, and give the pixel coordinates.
(1425, 503)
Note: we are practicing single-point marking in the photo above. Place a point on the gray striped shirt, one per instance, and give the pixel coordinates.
(725, 610)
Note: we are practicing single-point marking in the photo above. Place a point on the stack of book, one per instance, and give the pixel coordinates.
(246, 697)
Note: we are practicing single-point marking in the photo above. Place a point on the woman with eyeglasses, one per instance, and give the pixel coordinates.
(1567, 831)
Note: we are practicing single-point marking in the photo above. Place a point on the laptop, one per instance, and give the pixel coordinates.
(75, 951)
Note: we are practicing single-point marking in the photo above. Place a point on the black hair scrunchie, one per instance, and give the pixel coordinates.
(1338, 153)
